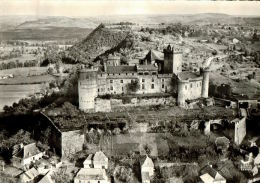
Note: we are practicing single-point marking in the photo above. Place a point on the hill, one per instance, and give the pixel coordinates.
(97, 42)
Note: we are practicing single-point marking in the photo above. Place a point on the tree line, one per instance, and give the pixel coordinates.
(17, 64)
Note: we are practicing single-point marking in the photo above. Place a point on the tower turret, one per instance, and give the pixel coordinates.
(172, 60)
(87, 88)
(205, 83)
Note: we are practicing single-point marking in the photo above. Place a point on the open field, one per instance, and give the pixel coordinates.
(24, 71)
(22, 59)
(27, 80)
(13, 93)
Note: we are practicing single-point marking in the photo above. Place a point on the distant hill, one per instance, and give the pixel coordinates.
(92, 22)
(97, 42)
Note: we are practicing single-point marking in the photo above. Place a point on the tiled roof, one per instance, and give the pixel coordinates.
(28, 151)
(147, 68)
(99, 156)
(148, 162)
(120, 69)
(30, 174)
(155, 55)
(208, 169)
(91, 174)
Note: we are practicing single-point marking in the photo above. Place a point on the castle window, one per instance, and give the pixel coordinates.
(113, 74)
(126, 74)
(101, 75)
(191, 85)
(119, 74)
(143, 80)
(122, 81)
(111, 87)
(140, 73)
(108, 74)
(122, 88)
(162, 85)
(146, 73)
(162, 80)
(153, 73)
(98, 89)
(143, 86)
(152, 79)
(152, 86)
(133, 73)
(111, 81)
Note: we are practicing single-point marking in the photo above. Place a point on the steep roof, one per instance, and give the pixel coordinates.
(209, 171)
(30, 174)
(99, 156)
(148, 162)
(91, 174)
(153, 55)
(46, 179)
(28, 151)
(121, 69)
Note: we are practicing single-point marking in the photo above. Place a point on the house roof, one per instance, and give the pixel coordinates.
(89, 158)
(211, 172)
(121, 69)
(99, 156)
(91, 174)
(148, 162)
(46, 179)
(188, 75)
(206, 178)
(28, 151)
(30, 174)
(153, 55)
(147, 68)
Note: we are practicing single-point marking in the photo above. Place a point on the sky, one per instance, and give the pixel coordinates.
(84, 8)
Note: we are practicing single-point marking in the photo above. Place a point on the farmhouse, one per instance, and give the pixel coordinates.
(24, 155)
(154, 75)
(147, 169)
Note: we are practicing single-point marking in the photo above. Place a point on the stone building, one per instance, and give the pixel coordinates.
(152, 75)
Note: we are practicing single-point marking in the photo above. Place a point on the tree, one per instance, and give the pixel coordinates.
(134, 86)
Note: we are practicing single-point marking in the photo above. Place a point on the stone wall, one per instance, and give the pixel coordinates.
(71, 142)
(240, 130)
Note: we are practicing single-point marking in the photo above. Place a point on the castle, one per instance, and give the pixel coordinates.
(154, 74)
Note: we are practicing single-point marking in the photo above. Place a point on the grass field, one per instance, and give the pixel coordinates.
(23, 58)
(13, 93)
(24, 71)
(27, 80)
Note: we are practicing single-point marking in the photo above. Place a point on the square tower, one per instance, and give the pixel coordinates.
(172, 61)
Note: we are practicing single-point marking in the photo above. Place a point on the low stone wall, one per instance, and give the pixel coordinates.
(115, 103)
(71, 142)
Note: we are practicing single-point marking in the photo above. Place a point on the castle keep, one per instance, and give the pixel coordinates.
(154, 74)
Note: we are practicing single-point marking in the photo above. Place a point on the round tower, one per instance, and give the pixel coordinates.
(181, 92)
(205, 83)
(87, 88)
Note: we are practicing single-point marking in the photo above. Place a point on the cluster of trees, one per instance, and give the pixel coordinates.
(134, 86)
(17, 64)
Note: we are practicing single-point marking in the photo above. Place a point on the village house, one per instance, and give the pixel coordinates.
(210, 175)
(29, 176)
(100, 160)
(247, 164)
(91, 175)
(147, 169)
(24, 155)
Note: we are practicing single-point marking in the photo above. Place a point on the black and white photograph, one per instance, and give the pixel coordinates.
(131, 91)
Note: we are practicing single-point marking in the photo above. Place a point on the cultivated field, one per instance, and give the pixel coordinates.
(24, 71)
(13, 93)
